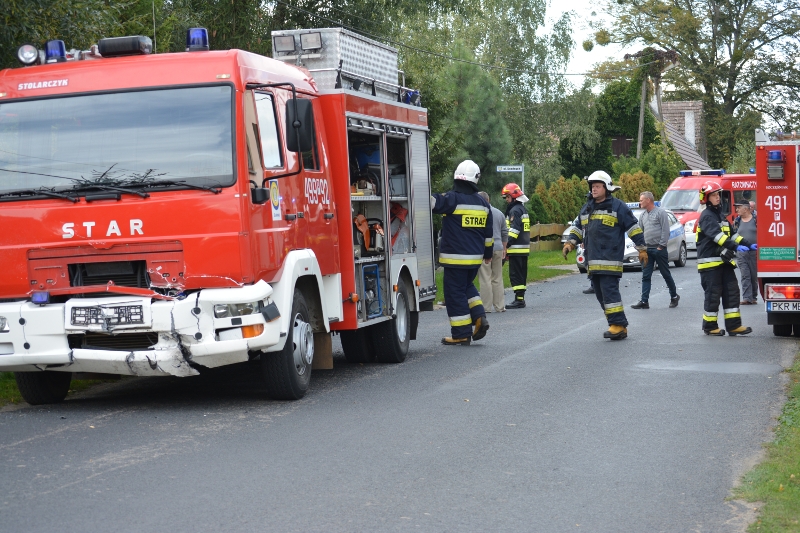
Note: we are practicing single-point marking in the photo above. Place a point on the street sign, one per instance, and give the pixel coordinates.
(514, 168)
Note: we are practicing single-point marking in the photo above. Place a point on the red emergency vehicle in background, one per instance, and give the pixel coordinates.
(682, 197)
(778, 235)
(163, 213)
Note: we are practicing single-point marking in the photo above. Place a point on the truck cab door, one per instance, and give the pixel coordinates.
(273, 232)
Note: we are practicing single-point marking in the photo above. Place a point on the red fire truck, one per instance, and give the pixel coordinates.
(165, 213)
(778, 259)
(682, 197)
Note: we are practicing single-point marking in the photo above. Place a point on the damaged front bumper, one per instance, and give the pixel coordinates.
(54, 336)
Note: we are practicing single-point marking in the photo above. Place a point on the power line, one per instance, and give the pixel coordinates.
(432, 53)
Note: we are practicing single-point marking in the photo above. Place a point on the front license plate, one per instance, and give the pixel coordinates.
(785, 307)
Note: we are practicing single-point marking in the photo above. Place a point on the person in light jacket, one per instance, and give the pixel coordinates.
(491, 274)
(655, 225)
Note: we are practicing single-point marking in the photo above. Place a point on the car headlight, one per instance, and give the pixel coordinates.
(689, 227)
(228, 310)
(3, 324)
(629, 245)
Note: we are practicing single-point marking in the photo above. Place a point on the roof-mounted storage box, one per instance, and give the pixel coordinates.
(365, 64)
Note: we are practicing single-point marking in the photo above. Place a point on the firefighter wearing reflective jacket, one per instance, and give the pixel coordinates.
(716, 254)
(466, 242)
(601, 227)
(519, 242)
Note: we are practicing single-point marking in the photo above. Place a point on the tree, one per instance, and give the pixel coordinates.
(536, 211)
(37, 21)
(470, 123)
(735, 54)
(743, 159)
(635, 184)
(613, 113)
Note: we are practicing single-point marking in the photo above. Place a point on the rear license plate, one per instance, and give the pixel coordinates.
(786, 307)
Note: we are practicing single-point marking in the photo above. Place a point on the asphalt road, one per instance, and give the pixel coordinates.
(542, 426)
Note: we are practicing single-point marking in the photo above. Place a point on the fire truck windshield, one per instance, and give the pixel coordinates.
(181, 137)
(681, 200)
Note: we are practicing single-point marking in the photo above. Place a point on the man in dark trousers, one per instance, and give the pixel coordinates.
(466, 243)
(519, 242)
(655, 225)
(602, 225)
(716, 253)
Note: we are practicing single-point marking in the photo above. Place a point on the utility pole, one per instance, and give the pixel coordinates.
(663, 60)
(641, 119)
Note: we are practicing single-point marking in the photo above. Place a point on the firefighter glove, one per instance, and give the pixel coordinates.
(568, 247)
(643, 258)
(726, 255)
(754, 247)
(741, 248)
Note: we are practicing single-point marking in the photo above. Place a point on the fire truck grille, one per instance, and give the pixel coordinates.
(125, 341)
(123, 273)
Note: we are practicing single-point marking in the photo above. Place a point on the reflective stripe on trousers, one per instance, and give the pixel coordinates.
(606, 290)
(462, 300)
(720, 283)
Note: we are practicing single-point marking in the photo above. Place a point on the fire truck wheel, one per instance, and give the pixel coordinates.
(288, 373)
(681, 261)
(393, 336)
(782, 330)
(43, 387)
(357, 346)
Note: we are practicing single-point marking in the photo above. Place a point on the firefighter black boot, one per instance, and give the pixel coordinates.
(480, 328)
(741, 330)
(518, 303)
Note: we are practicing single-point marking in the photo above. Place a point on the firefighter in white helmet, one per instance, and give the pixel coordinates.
(466, 243)
(601, 227)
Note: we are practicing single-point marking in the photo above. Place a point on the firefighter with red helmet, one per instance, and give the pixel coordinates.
(601, 226)
(466, 242)
(519, 242)
(716, 261)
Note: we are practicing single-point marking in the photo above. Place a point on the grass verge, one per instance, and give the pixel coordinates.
(536, 260)
(9, 393)
(776, 481)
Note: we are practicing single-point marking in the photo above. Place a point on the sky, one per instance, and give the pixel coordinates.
(581, 60)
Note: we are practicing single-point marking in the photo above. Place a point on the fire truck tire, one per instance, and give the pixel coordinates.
(288, 373)
(43, 387)
(393, 336)
(681, 261)
(782, 330)
(357, 346)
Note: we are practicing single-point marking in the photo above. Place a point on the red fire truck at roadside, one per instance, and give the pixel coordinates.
(778, 235)
(165, 213)
(682, 197)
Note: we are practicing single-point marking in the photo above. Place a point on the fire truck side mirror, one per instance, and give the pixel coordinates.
(299, 126)
(259, 195)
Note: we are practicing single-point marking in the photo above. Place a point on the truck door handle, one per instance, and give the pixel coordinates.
(328, 216)
(290, 216)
